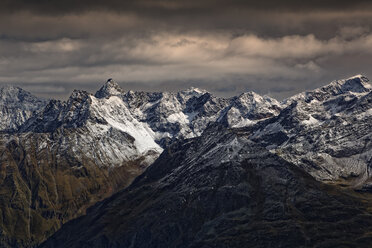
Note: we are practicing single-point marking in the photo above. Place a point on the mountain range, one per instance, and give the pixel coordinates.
(207, 171)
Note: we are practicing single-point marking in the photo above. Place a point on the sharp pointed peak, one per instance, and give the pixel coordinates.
(111, 82)
(110, 88)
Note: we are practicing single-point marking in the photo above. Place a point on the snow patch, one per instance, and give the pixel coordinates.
(311, 121)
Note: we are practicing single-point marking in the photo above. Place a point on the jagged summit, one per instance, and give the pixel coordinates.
(360, 76)
(110, 88)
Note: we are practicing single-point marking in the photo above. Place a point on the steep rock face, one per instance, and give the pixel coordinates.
(326, 131)
(16, 106)
(221, 190)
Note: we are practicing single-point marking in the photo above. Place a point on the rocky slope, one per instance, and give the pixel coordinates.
(326, 131)
(222, 190)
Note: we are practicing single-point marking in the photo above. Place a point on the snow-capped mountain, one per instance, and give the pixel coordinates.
(93, 145)
(16, 106)
(113, 127)
(102, 129)
(327, 131)
(187, 113)
(132, 125)
(68, 155)
(221, 190)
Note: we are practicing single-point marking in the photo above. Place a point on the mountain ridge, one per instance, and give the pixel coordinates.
(101, 142)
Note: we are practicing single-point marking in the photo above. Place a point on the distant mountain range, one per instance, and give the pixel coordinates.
(221, 172)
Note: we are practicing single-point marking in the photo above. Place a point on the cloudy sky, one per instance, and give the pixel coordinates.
(50, 47)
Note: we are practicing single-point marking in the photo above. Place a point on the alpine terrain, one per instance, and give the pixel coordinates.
(222, 190)
(187, 169)
(58, 158)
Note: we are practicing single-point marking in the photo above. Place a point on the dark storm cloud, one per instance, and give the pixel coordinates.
(182, 7)
(50, 47)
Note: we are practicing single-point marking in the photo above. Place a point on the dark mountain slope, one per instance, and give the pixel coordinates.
(222, 190)
(43, 188)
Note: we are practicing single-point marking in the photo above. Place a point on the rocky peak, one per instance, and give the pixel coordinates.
(354, 86)
(16, 106)
(110, 88)
(253, 97)
(14, 95)
(6, 90)
(357, 84)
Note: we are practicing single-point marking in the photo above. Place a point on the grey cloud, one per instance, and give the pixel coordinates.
(169, 61)
(36, 20)
(158, 7)
(226, 47)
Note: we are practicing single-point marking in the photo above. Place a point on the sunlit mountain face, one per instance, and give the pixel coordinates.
(146, 123)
